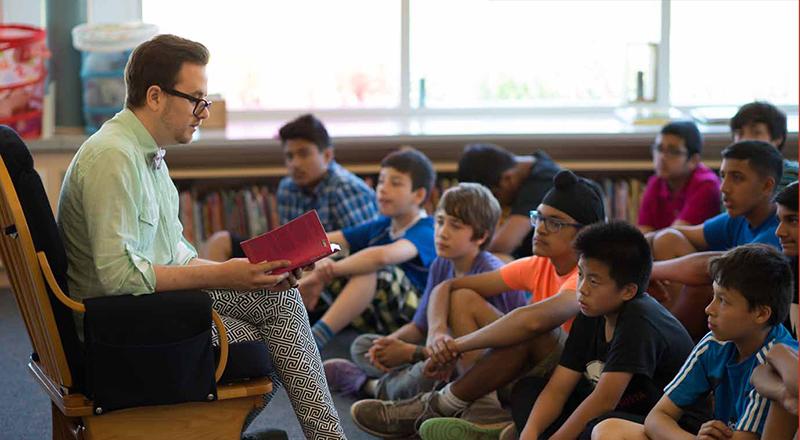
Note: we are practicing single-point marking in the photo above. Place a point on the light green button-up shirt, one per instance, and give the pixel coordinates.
(118, 215)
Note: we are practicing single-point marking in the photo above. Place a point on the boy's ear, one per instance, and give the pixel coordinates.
(769, 185)
(419, 195)
(629, 291)
(763, 314)
(481, 240)
(327, 154)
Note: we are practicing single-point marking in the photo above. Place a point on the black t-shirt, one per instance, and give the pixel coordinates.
(530, 195)
(647, 342)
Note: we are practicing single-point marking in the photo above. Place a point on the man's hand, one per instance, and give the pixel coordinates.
(443, 350)
(391, 352)
(240, 274)
(714, 430)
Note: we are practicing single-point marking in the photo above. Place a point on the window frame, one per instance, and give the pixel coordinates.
(131, 10)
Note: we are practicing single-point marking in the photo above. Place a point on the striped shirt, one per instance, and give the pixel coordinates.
(711, 366)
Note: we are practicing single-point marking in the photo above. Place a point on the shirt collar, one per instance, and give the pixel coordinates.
(143, 137)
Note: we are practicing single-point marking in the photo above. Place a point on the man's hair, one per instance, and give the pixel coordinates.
(474, 205)
(308, 128)
(621, 247)
(760, 273)
(157, 62)
(414, 163)
(765, 159)
(788, 196)
(484, 164)
(763, 112)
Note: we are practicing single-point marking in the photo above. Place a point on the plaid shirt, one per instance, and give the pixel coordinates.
(341, 198)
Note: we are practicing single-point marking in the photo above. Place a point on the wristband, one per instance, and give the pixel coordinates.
(419, 354)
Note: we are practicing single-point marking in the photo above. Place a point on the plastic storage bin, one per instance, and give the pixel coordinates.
(23, 71)
(105, 49)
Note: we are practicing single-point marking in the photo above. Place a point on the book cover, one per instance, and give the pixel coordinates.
(301, 241)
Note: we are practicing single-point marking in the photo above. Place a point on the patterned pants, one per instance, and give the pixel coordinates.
(279, 319)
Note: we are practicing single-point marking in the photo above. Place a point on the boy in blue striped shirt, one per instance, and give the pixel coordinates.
(752, 291)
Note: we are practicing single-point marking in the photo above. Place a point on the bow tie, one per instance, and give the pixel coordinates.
(158, 158)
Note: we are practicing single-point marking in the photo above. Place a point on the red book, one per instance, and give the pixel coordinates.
(301, 241)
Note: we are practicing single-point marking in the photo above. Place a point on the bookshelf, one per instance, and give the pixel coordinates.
(216, 163)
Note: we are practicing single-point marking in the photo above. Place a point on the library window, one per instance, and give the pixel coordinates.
(409, 57)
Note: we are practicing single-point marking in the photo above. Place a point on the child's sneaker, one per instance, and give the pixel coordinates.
(344, 377)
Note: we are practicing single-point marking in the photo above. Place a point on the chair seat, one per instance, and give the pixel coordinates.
(246, 360)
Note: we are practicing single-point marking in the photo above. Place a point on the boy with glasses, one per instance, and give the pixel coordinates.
(682, 191)
(526, 341)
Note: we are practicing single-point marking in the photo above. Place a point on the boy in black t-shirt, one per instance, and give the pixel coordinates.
(623, 349)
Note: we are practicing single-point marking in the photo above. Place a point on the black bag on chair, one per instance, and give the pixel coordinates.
(149, 350)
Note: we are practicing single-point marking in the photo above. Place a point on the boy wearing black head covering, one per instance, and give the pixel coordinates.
(526, 341)
(682, 191)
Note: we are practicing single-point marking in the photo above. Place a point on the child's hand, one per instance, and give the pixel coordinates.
(324, 270)
(438, 372)
(392, 352)
(443, 350)
(310, 290)
(714, 430)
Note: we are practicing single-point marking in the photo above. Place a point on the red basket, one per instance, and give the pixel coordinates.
(23, 56)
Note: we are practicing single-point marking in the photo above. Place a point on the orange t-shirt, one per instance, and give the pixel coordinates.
(538, 276)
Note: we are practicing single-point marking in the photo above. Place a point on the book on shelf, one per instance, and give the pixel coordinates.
(302, 241)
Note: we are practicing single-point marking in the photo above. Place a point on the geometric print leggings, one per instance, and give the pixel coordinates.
(280, 320)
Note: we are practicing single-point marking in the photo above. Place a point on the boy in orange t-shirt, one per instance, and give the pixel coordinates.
(527, 340)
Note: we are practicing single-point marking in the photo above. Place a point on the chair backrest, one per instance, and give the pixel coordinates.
(27, 226)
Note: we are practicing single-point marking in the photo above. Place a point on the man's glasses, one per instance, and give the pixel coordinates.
(200, 104)
(671, 152)
(552, 224)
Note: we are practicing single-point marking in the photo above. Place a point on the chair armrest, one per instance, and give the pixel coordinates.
(80, 308)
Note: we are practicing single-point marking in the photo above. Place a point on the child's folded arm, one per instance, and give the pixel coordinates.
(662, 422)
(603, 399)
(373, 258)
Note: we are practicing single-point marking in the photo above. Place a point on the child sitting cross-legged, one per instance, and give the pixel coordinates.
(392, 367)
(377, 286)
(752, 291)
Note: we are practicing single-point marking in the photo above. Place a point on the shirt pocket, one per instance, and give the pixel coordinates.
(148, 225)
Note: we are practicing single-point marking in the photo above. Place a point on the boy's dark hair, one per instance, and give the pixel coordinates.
(763, 112)
(621, 247)
(760, 273)
(157, 62)
(306, 127)
(484, 164)
(688, 131)
(414, 163)
(474, 205)
(765, 159)
(788, 196)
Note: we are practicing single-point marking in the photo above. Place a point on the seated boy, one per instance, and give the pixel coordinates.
(525, 341)
(749, 171)
(315, 181)
(787, 232)
(518, 182)
(391, 367)
(682, 191)
(762, 121)
(389, 256)
(623, 348)
(752, 290)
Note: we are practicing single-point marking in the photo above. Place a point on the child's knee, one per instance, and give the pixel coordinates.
(362, 344)
(617, 429)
